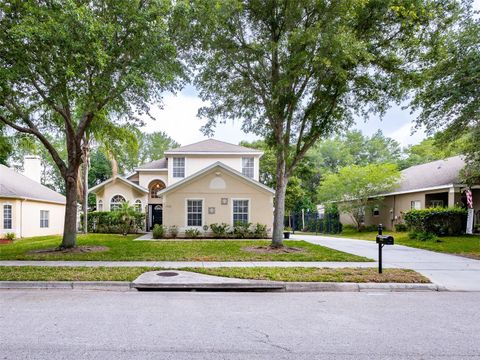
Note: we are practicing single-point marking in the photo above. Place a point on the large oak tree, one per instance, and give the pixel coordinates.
(296, 71)
(65, 63)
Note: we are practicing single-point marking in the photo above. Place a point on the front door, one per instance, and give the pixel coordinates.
(157, 215)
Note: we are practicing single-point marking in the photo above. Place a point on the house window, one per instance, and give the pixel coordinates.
(194, 212)
(155, 188)
(138, 205)
(240, 211)
(7, 216)
(436, 203)
(376, 211)
(100, 205)
(178, 167)
(44, 218)
(116, 202)
(415, 205)
(247, 167)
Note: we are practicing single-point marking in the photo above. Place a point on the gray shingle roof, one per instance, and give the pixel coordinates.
(432, 174)
(156, 164)
(16, 185)
(212, 146)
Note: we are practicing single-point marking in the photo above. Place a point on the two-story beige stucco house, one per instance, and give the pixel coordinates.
(194, 185)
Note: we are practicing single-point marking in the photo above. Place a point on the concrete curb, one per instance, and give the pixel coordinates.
(287, 286)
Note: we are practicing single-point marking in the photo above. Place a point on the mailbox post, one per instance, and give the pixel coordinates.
(382, 240)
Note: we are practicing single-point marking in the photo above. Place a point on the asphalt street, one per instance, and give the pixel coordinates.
(70, 324)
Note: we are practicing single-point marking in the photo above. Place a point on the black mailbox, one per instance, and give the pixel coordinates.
(385, 239)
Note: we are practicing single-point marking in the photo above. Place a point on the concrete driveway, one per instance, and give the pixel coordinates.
(453, 272)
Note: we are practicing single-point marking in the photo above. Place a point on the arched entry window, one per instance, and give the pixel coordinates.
(138, 205)
(155, 187)
(116, 202)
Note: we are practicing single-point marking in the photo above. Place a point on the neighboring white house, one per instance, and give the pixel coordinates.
(195, 185)
(27, 207)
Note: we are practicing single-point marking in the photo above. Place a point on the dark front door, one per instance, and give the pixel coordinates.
(157, 215)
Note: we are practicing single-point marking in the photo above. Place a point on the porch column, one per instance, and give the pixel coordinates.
(452, 192)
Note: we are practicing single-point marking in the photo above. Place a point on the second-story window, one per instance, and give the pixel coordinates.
(247, 167)
(178, 167)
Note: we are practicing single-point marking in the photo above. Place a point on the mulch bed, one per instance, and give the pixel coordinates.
(75, 250)
(272, 250)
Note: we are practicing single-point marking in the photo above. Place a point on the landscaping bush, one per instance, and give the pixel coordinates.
(192, 233)
(260, 231)
(110, 223)
(422, 236)
(437, 221)
(368, 228)
(401, 227)
(10, 236)
(220, 231)
(173, 231)
(241, 230)
(158, 231)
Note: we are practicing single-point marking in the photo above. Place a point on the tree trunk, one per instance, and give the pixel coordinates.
(70, 226)
(279, 202)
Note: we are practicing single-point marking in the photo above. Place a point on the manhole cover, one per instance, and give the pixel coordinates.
(167, 273)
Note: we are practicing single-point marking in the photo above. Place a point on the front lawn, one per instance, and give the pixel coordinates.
(121, 248)
(63, 273)
(355, 275)
(464, 245)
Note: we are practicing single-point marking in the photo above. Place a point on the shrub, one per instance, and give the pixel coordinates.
(349, 228)
(173, 231)
(368, 228)
(260, 231)
(109, 223)
(241, 230)
(158, 231)
(220, 231)
(401, 227)
(422, 236)
(192, 233)
(437, 221)
(10, 236)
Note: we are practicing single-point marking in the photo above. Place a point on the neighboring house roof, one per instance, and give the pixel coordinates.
(17, 186)
(128, 182)
(435, 174)
(156, 164)
(207, 169)
(212, 146)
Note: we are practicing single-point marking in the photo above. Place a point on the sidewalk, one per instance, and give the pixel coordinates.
(453, 272)
(183, 264)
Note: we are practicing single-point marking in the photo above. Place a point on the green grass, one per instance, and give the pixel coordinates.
(125, 249)
(63, 273)
(67, 273)
(357, 275)
(464, 245)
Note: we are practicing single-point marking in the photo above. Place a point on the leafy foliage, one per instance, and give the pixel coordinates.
(192, 233)
(108, 222)
(173, 231)
(356, 188)
(219, 230)
(438, 221)
(158, 231)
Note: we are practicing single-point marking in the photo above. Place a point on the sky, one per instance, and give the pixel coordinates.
(179, 120)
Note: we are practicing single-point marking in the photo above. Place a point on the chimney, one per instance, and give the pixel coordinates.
(32, 167)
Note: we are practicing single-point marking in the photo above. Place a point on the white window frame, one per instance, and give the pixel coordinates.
(247, 169)
(376, 209)
(11, 216)
(44, 219)
(186, 213)
(174, 168)
(136, 205)
(436, 203)
(100, 205)
(413, 205)
(232, 201)
(110, 204)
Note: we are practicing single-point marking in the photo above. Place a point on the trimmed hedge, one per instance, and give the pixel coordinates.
(438, 221)
(108, 222)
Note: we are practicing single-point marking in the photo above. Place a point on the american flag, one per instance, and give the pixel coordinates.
(468, 193)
